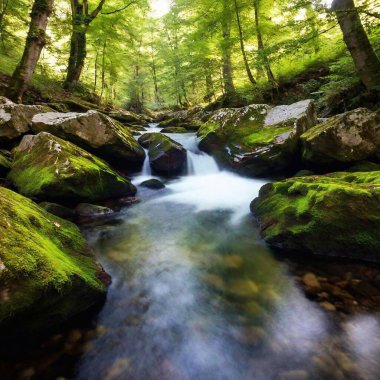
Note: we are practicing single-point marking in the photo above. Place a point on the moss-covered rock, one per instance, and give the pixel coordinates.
(332, 215)
(174, 130)
(166, 156)
(48, 168)
(16, 119)
(94, 132)
(5, 162)
(125, 116)
(342, 139)
(258, 139)
(58, 210)
(47, 271)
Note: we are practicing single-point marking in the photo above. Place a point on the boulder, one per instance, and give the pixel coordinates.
(174, 130)
(5, 162)
(48, 168)
(94, 132)
(165, 155)
(47, 271)
(58, 210)
(331, 215)
(154, 184)
(346, 138)
(89, 210)
(258, 140)
(124, 116)
(16, 119)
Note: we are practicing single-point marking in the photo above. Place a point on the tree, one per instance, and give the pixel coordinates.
(81, 20)
(226, 46)
(246, 63)
(35, 42)
(366, 61)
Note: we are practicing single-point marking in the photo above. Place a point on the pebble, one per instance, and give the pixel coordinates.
(74, 336)
(328, 306)
(296, 374)
(311, 280)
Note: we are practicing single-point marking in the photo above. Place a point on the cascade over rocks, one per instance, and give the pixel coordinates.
(47, 271)
(346, 138)
(94, 132)
(166, 156)
(48, 168)
(257, 139)
(16, 119)
(342, 209)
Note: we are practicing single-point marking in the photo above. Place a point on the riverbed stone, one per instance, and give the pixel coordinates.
(94, 132)
(16, 119)
(166, 156)
(47, 271)
(343, 139)
(339, 208)
(153, 183)
(48, 168)
(258, 140)
(90, 210)
(174, 130)
(58, 210)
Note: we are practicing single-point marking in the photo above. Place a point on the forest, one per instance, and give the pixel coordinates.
(189, 189)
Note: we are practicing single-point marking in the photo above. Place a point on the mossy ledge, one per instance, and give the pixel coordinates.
(46, 167)
(47, 271)
(331, 215)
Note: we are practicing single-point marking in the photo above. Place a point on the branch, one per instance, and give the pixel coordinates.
(121, 9)
(97, 10)
(85, 6)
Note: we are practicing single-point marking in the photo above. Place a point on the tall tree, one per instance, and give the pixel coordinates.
(226, 46)
(81, 19)
(242, 47)
(35, 42)
(366, 61)
(260, 45)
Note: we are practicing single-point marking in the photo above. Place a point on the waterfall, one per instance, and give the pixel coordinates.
(146, 171)
(200, 164)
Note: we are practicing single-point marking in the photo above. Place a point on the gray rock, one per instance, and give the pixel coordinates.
(154, 184)
(90, 210)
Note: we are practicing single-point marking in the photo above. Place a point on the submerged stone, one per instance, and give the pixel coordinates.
(47, 271)
(258, 139)
(331, 215)
(153, 183)
(48, 168)
(94, 132)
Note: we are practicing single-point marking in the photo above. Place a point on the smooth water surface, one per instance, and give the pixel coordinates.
(197, 295)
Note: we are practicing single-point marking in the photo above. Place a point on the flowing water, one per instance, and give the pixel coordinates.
(196, 294)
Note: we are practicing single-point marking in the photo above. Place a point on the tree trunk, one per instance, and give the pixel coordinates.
(261, 48)
(247, 68)
(35, 42)
(103, 69)
(228, 83)
(81, 20)
(366, 61)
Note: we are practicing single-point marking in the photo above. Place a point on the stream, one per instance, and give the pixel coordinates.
(197, 295)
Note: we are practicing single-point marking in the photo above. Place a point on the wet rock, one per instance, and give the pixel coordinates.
(125, 116)
(58, 210)
(16, 119)
(166, 156)
(48, 168)
(328, 306)
(304, 173)
(258, 139)
(341, 207)
(48, 269)
(174, 130)
(90, 210)
(346, 138)
(154, 184)
(94, 132)
(311, 281)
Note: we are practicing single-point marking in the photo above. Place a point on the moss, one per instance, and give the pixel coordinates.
(54, 169)
(335, 214)
(5, 162)
(39, 251)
